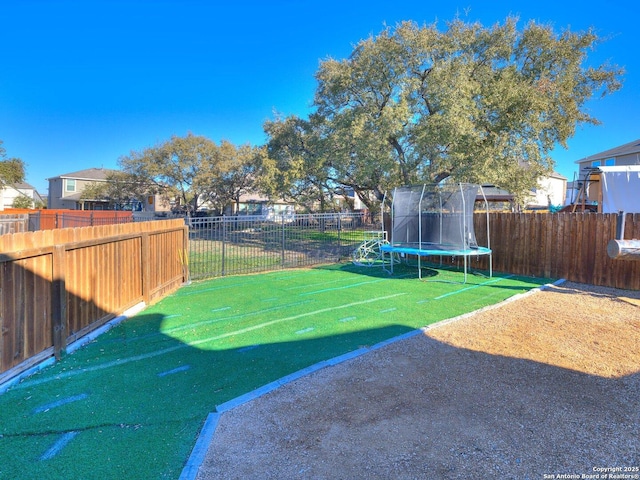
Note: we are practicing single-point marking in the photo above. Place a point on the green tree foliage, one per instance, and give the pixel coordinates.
(294, 167)
(12, 170)
(120, 190)
(236, 177)
(179, 168)
(22, 201)
(416, 104)
(193, 170)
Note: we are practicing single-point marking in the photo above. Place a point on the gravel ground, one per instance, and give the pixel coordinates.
(547, 386)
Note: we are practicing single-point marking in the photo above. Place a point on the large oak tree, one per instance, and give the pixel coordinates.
(419, 104)
(194, 170)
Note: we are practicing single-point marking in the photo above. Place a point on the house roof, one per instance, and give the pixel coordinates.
(87, 174)
(626, 149)
(22, 186)
(494, 194)
(557, 175)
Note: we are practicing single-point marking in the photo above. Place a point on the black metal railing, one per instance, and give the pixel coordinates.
(247, 244)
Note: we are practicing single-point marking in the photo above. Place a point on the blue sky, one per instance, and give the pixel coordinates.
(85, 82)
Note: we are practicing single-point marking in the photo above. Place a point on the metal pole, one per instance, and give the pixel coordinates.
(283, 240)
(224, 235)
(622, 216)
(339, 240)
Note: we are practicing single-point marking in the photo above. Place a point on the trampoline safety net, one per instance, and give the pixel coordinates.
(434, 216)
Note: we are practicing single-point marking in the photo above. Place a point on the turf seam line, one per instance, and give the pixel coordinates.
(293, 317)
(222, 287)
(305, 330)
(308, 285)
(465, 289)
(247, 348)
(220, 309)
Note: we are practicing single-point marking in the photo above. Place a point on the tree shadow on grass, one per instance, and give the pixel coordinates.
(132, 402)
(434, 273)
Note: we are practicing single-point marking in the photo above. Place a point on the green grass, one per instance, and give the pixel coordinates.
(251, 251)
(131, 404)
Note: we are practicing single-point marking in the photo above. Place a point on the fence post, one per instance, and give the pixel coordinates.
(339, 239)
(58, 301)
(224, 235)
(186, 273)
(282, 257)
(145, 258)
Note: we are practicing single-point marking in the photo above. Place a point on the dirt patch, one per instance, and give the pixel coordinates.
(544, 385)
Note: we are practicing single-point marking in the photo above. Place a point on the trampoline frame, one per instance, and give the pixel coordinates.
(407, 249)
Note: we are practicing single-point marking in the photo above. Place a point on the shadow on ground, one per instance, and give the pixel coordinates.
(132, 403)
(421, 408)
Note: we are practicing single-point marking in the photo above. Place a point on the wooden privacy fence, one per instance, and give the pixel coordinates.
(58, 285)
(45, 219)
(560, 245)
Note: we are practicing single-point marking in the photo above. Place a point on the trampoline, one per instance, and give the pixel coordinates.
(435, 220)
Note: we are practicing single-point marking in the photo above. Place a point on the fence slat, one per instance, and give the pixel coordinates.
(58, 301)
(57, 286)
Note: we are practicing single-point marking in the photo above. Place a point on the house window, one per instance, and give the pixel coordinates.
(609, 162)
(70, 185)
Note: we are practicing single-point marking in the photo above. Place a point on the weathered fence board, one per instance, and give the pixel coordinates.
(59, 285)
(565, 245)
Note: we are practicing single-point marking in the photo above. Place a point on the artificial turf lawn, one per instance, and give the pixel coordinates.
(131, 403)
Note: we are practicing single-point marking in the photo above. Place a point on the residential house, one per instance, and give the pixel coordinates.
(623, 161)
(9, 193)
(65, 192)
(551, 191)
(627, 154)
(497, 199)
(256, 204)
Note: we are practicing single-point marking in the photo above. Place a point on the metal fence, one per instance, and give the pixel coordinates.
(14, 223)
(247, 244)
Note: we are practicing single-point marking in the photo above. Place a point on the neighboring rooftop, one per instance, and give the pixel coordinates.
(24, 186)
(87, 174)
(626, 149)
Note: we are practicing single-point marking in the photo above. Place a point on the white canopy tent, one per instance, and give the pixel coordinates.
(620, 189)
